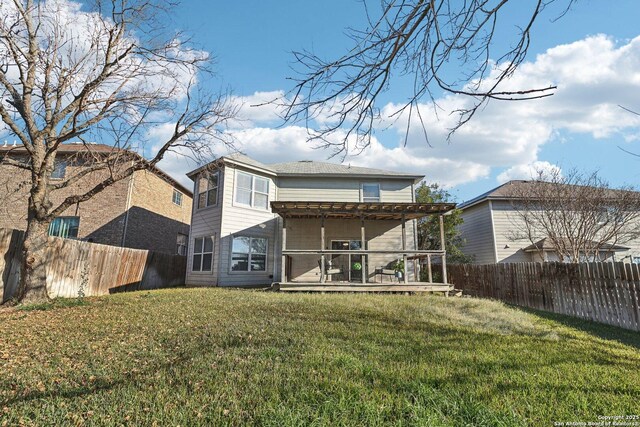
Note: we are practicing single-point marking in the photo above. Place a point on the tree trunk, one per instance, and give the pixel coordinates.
(33, 271)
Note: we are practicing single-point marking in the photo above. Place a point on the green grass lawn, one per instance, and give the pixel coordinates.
(210, 357)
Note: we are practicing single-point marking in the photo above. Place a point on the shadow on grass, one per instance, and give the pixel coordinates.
(600, 330)
(54, 304)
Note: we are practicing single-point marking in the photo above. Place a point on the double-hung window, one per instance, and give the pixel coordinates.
(249, 254)
(202, 254)
(370, 192)
(252, 190)
(208, 190)
(59, 169)
(177, 197)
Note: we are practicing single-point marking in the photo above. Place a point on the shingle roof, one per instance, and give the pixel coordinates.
(100, 148)
(513, 190)
(67, 148)
(320, 168)
(310, 168)
(242, 158)
(547, 245)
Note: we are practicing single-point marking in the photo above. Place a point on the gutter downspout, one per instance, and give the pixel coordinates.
(276, 240)
(493, 233)
(127, 208)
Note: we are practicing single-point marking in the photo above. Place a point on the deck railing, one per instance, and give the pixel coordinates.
(406, 255)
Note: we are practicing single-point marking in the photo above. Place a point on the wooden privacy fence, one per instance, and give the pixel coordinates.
(81, 268)
(603, 292)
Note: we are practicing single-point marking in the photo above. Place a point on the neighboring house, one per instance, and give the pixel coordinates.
(241, 206)
(491, 231)
(148, 210)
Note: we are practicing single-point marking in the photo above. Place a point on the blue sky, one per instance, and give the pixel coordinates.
(253, 40)
(592, 54)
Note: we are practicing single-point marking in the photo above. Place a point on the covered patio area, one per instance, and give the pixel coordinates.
(357, 247)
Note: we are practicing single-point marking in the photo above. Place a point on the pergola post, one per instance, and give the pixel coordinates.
(365, 260)
(404, 248)
(322, 245)
(283, 273)
(429, 271)
(444, 249)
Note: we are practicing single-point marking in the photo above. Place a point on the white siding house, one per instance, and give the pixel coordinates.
(236, 236)
(492, 231)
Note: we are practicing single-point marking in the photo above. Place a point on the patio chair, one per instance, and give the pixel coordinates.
(330, 270)
(386, 270)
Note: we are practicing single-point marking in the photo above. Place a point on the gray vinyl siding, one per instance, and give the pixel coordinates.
(380, 235)
(633, 245)
(205, 222)
(228, 219)
(341, 189)
(477, 231)
(509, 232)
(508, 228)
(240, 220)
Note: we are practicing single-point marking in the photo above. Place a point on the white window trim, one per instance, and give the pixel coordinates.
(266, 256)
(191, 251)
(173, 198)
(197, 198)
(370, 183)
(253, 191)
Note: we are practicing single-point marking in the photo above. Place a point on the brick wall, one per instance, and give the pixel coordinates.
(101, 217)
(152, 222)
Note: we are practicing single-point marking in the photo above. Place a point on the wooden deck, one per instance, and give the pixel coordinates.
(367, 287)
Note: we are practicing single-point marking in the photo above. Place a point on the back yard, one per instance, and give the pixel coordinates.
(212, 356)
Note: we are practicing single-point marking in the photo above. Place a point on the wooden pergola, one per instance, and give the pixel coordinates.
(363, 211)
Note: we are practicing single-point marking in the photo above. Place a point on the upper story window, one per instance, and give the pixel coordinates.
(208, 190)
(370, 192)
(252, 190)
(177, 197)
(65, 226)
(59, 169)
(610, 215)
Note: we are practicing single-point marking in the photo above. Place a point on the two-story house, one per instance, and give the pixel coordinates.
(302, 223)
(148, 210)
(493, 230)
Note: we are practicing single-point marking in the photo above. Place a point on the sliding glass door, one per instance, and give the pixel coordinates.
(352, 265)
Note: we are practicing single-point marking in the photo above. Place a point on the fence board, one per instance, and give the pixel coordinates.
(75, 267)
(602, 292)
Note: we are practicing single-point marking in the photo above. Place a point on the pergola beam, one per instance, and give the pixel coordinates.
(378, 210)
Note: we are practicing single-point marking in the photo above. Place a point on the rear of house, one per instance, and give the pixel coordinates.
(241, 206)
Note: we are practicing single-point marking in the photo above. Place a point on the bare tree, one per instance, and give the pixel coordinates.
(439, 45)
(578, 215)
(105, 70)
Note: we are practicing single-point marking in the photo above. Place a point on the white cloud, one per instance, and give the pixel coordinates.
(539, 169)
(259, 108)
(593, 75)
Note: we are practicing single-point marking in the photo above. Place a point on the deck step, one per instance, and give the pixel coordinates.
(370, 287)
